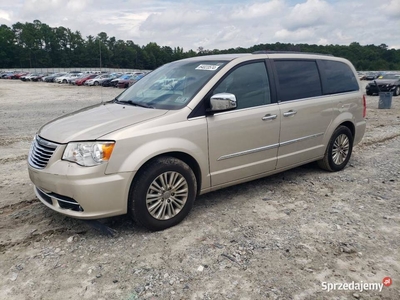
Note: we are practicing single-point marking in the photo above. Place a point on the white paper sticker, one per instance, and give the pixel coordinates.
(207, 67)
(181, 99)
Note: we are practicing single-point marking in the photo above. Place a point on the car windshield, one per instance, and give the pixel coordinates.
(173, 85)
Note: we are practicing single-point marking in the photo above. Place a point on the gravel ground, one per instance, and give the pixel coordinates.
(279, 237)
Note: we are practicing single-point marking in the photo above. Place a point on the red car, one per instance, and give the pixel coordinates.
(82, 80)
(125, 83)
(18, 75)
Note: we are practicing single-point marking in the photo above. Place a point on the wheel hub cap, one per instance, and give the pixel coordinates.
(340, 149)
(167, 195)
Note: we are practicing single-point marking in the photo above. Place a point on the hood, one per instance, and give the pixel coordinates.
(95, 121)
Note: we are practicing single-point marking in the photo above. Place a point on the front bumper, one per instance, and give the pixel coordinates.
(81, 192)
(373, 89)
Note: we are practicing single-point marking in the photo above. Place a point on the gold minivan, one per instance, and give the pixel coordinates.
(197, 125)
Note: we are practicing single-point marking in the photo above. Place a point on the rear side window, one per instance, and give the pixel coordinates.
(297, 79)
(337, 77)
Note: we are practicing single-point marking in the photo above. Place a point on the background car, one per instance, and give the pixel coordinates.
(82, 80)
(385, 83)
(125, 83)
(98, 79)
(51, 77)
(65, 78)
(38, 77)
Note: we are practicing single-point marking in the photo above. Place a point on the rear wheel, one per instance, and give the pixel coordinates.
(96, 83)
(339, 150)
(162, 194)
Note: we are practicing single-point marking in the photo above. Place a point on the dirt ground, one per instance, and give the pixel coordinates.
(280, 237)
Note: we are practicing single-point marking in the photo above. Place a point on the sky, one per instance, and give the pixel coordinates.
(219, 24)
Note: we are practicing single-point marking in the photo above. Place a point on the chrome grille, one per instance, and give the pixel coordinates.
(40, 153)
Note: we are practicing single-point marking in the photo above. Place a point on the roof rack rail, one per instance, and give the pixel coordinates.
(288, 52)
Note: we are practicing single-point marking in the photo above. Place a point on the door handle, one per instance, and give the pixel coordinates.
(289, 113)
(269, 117)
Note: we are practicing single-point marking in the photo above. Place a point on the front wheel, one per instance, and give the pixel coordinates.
(162, 194)
(396, 91)
(339, 150)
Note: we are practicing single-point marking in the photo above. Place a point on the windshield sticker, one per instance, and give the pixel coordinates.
(207, 67)
(181, 99)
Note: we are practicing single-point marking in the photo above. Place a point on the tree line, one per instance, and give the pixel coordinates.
(37, 45)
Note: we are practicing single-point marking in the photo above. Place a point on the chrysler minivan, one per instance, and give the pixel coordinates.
(197, 125)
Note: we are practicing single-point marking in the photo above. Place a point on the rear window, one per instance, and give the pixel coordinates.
(297, 79)
(338, 77)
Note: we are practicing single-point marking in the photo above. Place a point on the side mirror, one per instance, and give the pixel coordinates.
(222, 102)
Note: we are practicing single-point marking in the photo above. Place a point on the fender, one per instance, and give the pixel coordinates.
(133, 152)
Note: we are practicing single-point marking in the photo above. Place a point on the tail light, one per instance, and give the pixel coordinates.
(364, 107)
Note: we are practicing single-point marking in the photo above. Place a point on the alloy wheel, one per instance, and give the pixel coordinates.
(167, 195)
(340, 149)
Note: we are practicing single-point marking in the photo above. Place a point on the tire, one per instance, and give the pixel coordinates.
(396, 92)
(96, 83)
(369, 94)
(64, 81)
(156, 204)
(339, 150)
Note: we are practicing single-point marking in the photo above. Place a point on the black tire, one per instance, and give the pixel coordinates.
(396, 92)
(96, 83)
(148, 206)
(339, 150)
(64, 81)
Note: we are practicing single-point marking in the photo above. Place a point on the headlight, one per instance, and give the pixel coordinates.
(88, 153)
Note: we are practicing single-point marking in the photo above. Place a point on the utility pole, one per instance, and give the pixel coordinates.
(100, 54)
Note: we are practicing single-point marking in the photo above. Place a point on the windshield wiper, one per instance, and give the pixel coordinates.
(141, 104)
(132, 103)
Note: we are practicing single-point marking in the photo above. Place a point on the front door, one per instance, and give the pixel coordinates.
(244, 142)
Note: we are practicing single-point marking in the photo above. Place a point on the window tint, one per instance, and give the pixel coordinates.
(249, 83)
(339, 78)
(297, 79)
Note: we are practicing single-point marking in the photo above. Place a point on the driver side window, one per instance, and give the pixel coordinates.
(249, 83)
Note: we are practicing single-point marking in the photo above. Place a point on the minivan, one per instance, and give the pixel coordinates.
(197, 125)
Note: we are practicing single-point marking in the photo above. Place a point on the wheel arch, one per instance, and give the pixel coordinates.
(186, 158)
(349, 125)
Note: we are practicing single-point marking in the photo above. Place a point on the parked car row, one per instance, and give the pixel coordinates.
(115, 79)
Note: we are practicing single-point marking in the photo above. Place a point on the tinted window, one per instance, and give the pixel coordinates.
(297, 79)
(249, 83)
(339, 78)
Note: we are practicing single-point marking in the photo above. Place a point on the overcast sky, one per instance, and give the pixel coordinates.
(219, 24)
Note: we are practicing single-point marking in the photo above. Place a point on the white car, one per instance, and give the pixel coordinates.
(66, 78)
(97, 80)
(194, 126)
